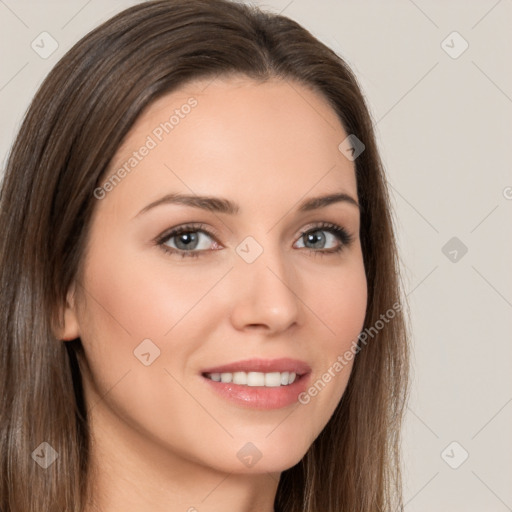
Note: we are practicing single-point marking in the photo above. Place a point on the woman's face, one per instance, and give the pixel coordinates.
(241, 283)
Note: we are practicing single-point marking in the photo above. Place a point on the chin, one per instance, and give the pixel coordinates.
(269, 460)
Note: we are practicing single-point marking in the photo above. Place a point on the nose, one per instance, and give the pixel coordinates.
(265, 295)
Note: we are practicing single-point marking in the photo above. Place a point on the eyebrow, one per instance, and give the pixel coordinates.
(222, 205)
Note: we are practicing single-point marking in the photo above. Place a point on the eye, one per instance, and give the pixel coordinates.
(187, 241)
(316, 239)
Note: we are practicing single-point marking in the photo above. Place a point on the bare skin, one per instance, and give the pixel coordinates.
(162, 439)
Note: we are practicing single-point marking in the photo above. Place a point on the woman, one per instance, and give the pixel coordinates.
(200, 295)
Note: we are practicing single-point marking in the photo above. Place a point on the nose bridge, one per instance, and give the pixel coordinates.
(265, 292)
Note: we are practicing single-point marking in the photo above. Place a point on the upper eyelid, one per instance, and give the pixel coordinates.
(169, 233)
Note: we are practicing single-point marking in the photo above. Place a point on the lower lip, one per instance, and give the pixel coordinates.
(260, 397)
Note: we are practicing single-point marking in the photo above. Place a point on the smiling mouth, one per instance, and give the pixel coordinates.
(259, 384)
(255, 379)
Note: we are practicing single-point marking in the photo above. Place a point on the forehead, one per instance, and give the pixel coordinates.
(236, 134)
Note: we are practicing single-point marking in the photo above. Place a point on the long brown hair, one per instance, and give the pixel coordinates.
(76, 122)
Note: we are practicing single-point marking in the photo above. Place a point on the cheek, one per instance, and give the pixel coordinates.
(339, 300)
(340, 304)
(138, 298)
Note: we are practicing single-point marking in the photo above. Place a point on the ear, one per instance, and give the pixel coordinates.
(70, 329)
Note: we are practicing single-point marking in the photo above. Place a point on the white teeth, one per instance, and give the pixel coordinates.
(226, 377)
(255, 379)
(273, 380)
(270, 380)
(238, 377)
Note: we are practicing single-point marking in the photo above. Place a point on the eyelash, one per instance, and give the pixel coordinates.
(342, 234)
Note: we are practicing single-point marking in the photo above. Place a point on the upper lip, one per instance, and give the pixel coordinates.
(284, 364)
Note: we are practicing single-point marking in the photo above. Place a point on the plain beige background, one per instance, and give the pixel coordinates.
(443, 117)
